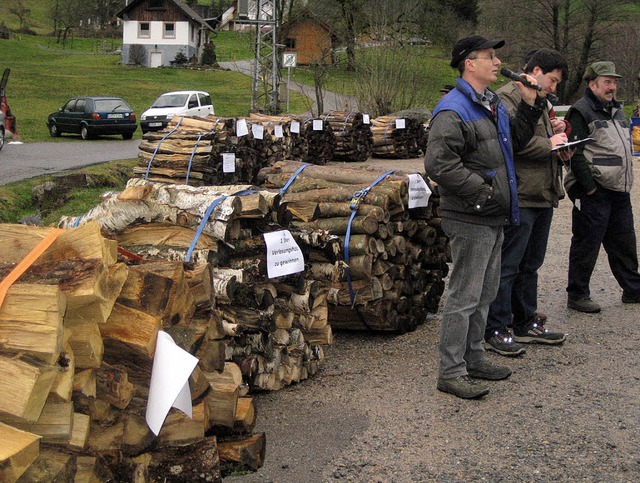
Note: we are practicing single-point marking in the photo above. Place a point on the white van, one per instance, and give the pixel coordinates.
(178, 103)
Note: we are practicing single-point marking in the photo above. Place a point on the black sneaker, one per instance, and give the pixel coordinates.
(537, 334)
(463, 387)
(489, 371)
(502, 343)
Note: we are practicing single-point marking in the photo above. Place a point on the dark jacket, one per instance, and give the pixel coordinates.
(608, 160)
(469, 155)
(538, 170)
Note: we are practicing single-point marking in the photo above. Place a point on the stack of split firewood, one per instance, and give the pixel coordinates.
(397, 137)
(197, 152)
(397, 256)
(353, 138)
(78, 330)
(275, 328)
(319, 141)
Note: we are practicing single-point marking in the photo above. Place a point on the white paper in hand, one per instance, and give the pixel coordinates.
(169, 387)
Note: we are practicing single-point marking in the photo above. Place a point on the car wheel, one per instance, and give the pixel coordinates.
(84, 133)
(1, 138)
(127, 135)
(53, 130)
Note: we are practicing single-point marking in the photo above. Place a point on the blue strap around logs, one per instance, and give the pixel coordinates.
(284, 189)
(186, 181)
(355, 201)
(146, 175)
(206, 216)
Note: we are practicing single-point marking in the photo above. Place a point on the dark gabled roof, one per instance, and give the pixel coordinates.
(186, 9)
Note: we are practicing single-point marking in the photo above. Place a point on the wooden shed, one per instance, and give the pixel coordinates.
(309, 37)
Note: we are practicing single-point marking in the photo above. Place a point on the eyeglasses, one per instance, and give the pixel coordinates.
(490, 57)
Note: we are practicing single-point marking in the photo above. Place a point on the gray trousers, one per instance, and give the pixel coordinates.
(473, 285)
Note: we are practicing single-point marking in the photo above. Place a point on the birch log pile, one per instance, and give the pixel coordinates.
(273, 329)
(396, 137)
(397, 257)
(78, 331)
(353, 138)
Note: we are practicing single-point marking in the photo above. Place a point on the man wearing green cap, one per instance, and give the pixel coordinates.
(598, 181)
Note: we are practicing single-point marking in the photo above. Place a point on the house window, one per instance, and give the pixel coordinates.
(169, 30)
(290, 43)
(144, 30)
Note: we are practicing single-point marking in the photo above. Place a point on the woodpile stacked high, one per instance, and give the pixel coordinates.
(353, 138)
(319, 141)
(397, 257)
(396, 137)
(78, 331)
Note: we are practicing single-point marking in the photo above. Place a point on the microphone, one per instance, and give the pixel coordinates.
(513, 76)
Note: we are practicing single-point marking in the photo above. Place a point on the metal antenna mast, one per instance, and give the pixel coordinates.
(266, 72)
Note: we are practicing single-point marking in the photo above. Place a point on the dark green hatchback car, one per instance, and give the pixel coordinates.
(93, 116)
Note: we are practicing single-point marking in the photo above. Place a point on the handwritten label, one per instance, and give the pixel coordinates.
(400, 123)
(277, 131)
(241, 127)
(419, 192)
(284, 256)
(317, 124)
(228, 162)
(295, 127)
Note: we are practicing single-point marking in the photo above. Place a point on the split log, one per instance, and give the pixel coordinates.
(246, 453)
(51, 465)
(19, 449)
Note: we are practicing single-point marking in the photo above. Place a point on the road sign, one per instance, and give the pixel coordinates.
(289, 59)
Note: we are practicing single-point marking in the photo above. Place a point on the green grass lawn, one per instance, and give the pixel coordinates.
(42, 79)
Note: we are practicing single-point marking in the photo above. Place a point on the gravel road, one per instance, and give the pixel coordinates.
(373, 414)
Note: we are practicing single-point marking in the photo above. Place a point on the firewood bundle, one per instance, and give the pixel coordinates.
(319, 141)
(279, 142)
(421, 117)
(78, 331)
(397, 257)
(192, 151)
(353, 137)
(396, 137)
(274, 329)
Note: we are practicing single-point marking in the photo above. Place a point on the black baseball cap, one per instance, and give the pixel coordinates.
(466, 45)
(447, 88)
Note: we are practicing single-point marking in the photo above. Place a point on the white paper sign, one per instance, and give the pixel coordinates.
(277, 131)
(295, 127)
(169, 387)
(419, 191)
(317, 124)
(283, 254)
(228, 162)
(241, 127)
(399, 123)
(258, 131)
(366, 119)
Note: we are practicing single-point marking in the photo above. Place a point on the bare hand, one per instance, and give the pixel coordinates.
(558, 126)
(558, 140)
(527, 93)
(566, 154)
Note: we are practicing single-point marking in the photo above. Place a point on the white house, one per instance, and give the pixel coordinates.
(162, 28)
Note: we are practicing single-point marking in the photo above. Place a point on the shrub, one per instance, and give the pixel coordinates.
(209, 54)
(180, 58)
(137, 55)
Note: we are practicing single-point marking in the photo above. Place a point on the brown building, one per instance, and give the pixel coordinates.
(310, 38)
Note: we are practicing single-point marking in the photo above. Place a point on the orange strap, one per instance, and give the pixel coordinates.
(27, 261)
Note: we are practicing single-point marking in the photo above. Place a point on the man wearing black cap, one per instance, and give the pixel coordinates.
(598, 182)
(446, 89)
(470, 156)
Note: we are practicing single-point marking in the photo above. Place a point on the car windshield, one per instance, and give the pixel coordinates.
(111, 105)
(171, 100)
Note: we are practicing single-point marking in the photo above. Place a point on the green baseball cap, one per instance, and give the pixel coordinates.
(600, 68)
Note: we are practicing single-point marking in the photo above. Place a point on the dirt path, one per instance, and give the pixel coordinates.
(373, 414)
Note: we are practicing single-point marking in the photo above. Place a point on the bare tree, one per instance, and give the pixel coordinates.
(20, 10)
